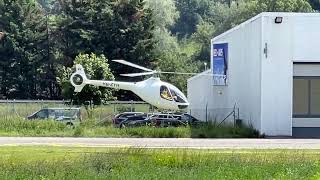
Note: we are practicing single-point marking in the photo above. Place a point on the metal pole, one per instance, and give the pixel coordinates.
(207, 112)
(13, 108)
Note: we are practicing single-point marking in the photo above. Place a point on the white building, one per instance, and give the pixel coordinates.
(272, 68)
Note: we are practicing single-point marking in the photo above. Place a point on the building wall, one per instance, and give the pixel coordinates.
(243, 89)
(294, 40)
(306, 41)
(200, 95)
(259, 83)
(276, 81)
(244, 66)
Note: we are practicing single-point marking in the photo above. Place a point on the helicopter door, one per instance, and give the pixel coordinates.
(165, 93)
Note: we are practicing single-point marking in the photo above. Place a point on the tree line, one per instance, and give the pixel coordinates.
(40, 40)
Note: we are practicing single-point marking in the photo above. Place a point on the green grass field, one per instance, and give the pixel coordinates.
(101, 112)
(90, 128)
(115, 163)
(12, 123)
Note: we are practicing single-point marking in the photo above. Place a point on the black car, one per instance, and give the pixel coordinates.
(187, 118)
(136, 123)
(135, 120)
(166, 120)
(160, 120)
(116, 121)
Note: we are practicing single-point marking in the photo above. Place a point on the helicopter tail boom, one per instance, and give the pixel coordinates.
(113, 84)
(79, 80)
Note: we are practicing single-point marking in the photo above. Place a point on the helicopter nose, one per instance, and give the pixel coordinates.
(182, 106)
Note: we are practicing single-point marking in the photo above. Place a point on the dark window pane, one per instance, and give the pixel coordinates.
(300, 96)
(42, 114)
(315, 97)
(165, 94)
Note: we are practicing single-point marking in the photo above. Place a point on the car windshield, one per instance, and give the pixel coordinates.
(42, 114)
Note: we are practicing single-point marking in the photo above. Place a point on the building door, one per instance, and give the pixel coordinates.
(306, 100)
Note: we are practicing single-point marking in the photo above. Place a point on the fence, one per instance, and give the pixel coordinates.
(23, 108)
(216, 116)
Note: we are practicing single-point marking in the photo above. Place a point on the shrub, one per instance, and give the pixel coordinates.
(224, 131)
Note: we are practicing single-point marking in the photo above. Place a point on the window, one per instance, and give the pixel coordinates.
(300, 96)
(315, 96)
(306, 97)
(176, 96)
(42, 114)
(165, 94)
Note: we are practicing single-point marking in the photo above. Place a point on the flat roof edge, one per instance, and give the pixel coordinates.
(199, 75)
(264, 14)
(237, 27)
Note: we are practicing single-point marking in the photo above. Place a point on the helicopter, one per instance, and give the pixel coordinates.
(160, 94)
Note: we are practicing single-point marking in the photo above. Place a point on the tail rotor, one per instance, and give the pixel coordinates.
(78, 79)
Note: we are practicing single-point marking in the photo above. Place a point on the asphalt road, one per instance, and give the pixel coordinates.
(165, 143)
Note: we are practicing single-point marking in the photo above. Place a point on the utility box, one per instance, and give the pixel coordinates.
(269, 68)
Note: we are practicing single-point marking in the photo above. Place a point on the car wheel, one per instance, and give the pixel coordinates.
(122, 126)
(70, 125)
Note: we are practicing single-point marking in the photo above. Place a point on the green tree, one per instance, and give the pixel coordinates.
(117, 28)
(24, 50)
(191, 14)
(120, 29)
(224, 17)
(164, 12)
(96, 67)
(205, 32)
(165, 15)
(177, 62)
(315, 4)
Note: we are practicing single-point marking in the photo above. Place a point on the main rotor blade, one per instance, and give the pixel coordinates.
(138, 74)
(182, 73)
(161, 72)
(132, 65)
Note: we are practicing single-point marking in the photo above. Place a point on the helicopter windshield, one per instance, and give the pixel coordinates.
(165, 94)
(177, 97)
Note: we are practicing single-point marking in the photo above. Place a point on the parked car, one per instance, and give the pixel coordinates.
(166, 120)
(123, 116)
(69, 116)
(136, 121)
(158, 120)
(190, 120)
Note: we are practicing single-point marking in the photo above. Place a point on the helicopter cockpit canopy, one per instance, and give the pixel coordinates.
(171, 95)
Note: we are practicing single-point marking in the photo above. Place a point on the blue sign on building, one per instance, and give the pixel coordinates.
(220, 64)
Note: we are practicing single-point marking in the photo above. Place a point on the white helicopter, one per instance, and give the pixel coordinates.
(160, 94)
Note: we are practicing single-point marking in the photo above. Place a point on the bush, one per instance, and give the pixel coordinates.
(31, 127)
(79, 131)
(224, 131)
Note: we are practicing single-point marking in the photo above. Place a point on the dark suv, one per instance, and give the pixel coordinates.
(135, 121)
(116, 121)
(187, 118)
(166, 120)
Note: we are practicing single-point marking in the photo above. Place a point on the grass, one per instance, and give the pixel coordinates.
(89, 128)
(115, 163)
(102, 112)
(12, 124)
